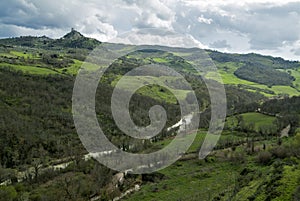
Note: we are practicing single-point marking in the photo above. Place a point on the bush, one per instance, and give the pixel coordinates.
(264, 157)
(237, 157)
(296, 195)
(7, 193)
(280, 152)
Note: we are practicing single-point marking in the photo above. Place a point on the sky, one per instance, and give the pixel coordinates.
(267, 27)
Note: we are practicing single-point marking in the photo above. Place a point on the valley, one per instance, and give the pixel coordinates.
(42, 157)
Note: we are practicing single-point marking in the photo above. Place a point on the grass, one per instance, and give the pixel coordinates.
(42, 70)
(160, 60)
(8, 55)
(226, 71)
(246, 192)
(285, 186)
(258, 119)
(157, 93)
(30, 69)
(296, 74)
(285, 90)
(153, 90)
(26, 55)
(288, 183)
(199, 139)
(190, 180)
(74, 68)
(196, 179)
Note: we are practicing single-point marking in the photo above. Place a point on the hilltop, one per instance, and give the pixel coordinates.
(73, 39)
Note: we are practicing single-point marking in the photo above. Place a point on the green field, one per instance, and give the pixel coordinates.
(190, 180)
(296, 75)
(226, 136)
(153, 90)
(259, 120)
(8, 55)
(26, 55)
(221, 178)
(74, 68)
(30, 69)
(226, 70)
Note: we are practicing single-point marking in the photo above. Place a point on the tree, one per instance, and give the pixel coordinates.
(7, 193)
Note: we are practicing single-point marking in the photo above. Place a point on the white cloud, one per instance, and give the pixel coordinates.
(154, 14)
(263, 26)
(202, 19)
(93, 27)
(160, 37)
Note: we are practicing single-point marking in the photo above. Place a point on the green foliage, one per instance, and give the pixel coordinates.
(264, 75)
(274, 62)
(73, 39)
(7, 193)
(30, 69)
(264, 157)
(189, 181)
(36, 83)
(27, 127)
(260, 122)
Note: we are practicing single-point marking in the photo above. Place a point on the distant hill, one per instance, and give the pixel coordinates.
(73, 39)
(38, 135)
(267, 75)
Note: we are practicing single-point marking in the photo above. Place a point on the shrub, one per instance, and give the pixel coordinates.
(237, 157)
(7, 193)
(280, 152)
(296, 195)
(264, 157)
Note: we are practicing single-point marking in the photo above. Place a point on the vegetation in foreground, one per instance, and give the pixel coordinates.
(41, 157)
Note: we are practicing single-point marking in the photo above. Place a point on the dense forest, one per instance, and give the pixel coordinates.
(264, 75)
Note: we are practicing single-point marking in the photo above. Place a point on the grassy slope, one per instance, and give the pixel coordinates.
(227, 69)
(258, 119)
(30, 69)
(71, 70)
(190, 180)
(198, 141)
(196, 179)
(133, 81)
(296, 74)
(74, 68)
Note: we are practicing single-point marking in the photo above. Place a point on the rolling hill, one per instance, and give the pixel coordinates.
(42, 158)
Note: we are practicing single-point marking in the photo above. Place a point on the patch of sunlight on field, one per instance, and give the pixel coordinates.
(226, 70)
(74, 68)
(152, 91)
(8, 55)
(285, 90)
(30, 69)
(259, 120)
(26, 55)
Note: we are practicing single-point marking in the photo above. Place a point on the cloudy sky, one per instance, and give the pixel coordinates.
(263, 26)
